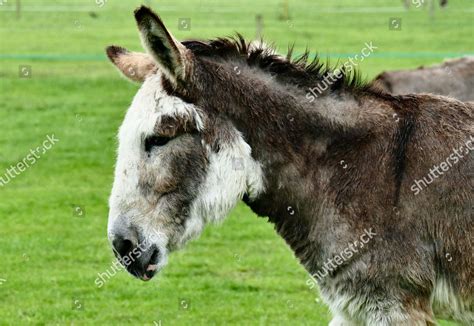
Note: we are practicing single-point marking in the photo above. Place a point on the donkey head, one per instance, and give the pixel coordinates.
(179, 165)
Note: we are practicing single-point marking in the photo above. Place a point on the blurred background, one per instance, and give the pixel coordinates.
(55, 80)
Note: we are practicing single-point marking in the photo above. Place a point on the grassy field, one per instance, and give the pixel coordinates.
(55, 80)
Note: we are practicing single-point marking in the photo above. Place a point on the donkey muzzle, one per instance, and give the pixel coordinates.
(140, 259)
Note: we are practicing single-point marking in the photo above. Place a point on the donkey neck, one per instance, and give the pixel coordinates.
(314, 173)
(299, 144)
(302, 189)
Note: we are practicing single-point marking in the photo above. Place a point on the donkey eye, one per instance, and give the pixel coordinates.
(154, 141)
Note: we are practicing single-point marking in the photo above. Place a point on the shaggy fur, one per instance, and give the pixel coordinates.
(322, 172)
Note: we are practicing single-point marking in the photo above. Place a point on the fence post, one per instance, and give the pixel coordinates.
(18, 9)
(259, 31)
(286, 10)
(432, 8)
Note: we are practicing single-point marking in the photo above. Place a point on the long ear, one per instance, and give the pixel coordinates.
(169, 53)
(133, 65)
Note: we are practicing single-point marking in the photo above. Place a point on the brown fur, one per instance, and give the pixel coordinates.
(345, 164)
(453, 78)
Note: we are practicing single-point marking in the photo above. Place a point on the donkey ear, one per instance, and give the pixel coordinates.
(133, 65)
(169, 53)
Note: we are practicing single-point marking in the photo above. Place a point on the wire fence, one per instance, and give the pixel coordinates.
(8, 7)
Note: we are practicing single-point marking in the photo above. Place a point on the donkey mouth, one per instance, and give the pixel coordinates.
(152, 267)
(145, 267)
(150, 272)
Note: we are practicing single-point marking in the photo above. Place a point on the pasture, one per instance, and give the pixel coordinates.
(55, 80)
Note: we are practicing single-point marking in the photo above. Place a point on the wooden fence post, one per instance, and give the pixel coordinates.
(18, 9)
(259, 31)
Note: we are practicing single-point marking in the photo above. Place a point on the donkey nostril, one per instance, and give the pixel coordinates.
(122, 247)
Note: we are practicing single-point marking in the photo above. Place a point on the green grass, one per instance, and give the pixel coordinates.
(238, 273)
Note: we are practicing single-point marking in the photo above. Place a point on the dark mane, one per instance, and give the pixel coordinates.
(300, 70)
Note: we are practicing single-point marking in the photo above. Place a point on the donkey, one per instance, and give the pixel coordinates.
(451, 78)
(219, 121)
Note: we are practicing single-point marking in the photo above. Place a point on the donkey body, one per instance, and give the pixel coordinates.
(454, 78)
(220, 121)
